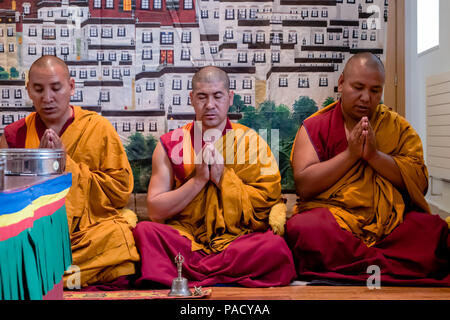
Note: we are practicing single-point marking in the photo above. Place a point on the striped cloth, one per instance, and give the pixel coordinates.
(34, 239)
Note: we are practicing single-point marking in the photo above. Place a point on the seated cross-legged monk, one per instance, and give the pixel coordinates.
(214, 189)
(360, 178)
(102, 242)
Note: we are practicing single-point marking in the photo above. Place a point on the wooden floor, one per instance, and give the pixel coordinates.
(330, 293)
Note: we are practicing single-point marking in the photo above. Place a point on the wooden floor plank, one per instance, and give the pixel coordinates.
(330, 293)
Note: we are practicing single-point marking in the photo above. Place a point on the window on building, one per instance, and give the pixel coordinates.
(188, 4)
(323, 82)
(93, 32)
(157, 4)
(232, 84)
(65, 50)
(314, 13)
(100, 56)
(109, 4)
(303, 82)
(48, 33)
(93, 73)
(112, 56)
(126, 127)
(64, 32)
(32, 50)
(5, 93)
(283, 82)
(186, 37)
(97, 4)
(121, 32)
(32, 32)
(213, 49)
(275, 57)
(104, 96)
(152, 126)
(242, 57)
(318, 38)
(259, 57)
(173, 4)
(106, 72)
(260, 37)
(242, 13)
(204, 13)
(147, 37)
(145, 4)
(147, 54)
(246, 84)
(125, 56)
(77, 96)
(247, 37)
(7, 119)
(107, 32)
(49, 51)
(140, 126)
(363, 35)
(228, 35)
(176, 101)
(116, 73)
(176, 84)
(247, 99)
(355, 34)
(185, 54)
(304, 13)
(229, 14)
(427, 24)
(150, 86)
(373, 36)
(17, 93)
(166, 38)
(324, 13)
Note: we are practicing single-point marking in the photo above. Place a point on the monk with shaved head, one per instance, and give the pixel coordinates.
(361, 215)
(103, 247)
(219, 213)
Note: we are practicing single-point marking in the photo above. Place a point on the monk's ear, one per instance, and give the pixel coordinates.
(72, 86)
(231, 96)
(341, 82)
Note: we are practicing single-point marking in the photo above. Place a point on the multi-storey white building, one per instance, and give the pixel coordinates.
(133, 61)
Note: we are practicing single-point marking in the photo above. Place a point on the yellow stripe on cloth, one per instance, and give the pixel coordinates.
(28, 211)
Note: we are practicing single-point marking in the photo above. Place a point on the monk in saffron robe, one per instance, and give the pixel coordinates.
(360, 178)
(102, 241)
(213, 186)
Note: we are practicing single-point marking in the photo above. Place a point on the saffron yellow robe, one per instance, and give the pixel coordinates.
(103, 246)
(364, 202)
(249, 188)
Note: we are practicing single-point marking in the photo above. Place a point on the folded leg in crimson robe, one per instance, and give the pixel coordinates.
(415, 253)
(258, 259)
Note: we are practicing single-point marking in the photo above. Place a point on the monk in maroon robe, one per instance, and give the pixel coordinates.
(215, 211)
(361, 179)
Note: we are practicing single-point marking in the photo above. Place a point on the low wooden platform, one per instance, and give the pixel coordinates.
(330, 293)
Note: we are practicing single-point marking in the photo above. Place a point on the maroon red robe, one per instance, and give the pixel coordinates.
(256, 259)
(416, 252)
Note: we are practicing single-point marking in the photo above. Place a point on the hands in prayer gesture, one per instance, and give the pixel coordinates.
(361, 140)
(211, 165)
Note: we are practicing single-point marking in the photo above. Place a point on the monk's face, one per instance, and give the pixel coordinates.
(361, 88)
(211, 101)
(50, 89)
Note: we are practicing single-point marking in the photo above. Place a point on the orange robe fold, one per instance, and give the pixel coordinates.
(362, 201)
(102, 181)
(250, 186)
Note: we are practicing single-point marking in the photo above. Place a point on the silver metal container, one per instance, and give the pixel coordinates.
(32, 162)
(2, 174)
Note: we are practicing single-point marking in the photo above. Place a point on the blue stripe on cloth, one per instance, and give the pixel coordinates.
(14, 201)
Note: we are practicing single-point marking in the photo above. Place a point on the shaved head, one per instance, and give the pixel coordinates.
(48, 61)
(211, 74)
(364, 59)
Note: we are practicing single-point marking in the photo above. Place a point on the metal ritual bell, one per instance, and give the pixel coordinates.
(179, 285)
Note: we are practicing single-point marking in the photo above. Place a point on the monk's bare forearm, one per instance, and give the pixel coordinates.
(167, 204)
(322, 175)
(385, 165)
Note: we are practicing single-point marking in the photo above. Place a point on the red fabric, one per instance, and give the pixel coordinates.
(327, 133)
(416, 253)
(16, 132)
(253, 260)
(172, 142)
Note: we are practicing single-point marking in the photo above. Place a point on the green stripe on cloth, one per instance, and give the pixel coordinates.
(32, 262)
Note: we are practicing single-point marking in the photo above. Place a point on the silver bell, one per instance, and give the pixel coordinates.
(180, 286)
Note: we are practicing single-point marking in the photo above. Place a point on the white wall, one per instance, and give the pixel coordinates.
(417, 69)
